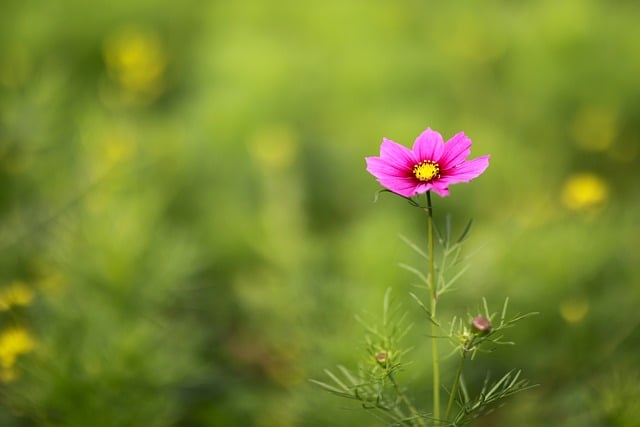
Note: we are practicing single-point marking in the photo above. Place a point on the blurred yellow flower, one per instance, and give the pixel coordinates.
(136, 59)
(13, 343)
(584, 191)
(116, 144)
(17, 293)
(574, 310)
(118, 147)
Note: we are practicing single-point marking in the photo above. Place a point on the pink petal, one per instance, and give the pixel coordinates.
(380, 167)
(441, 188)
(428, 146)
(423, 187)
(397, 154)
(465, 171)
(456, 150)
(404, 186)
(399, 181)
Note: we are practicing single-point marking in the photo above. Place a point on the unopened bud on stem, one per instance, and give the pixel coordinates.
(382, 358)
(480, 325)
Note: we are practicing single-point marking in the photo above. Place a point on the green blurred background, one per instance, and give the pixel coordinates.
(187, 228)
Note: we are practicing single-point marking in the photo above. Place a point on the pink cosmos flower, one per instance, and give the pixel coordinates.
(432, 164)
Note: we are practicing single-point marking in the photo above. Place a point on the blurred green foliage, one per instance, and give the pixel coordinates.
(187, 229)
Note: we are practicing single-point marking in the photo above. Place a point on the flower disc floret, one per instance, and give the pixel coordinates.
(431, 164)
(426, 170)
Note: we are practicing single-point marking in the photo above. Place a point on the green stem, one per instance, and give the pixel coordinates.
(454, 388)
(407, 402)
(434, 298)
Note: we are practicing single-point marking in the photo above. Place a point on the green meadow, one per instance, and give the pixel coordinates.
(188, 231)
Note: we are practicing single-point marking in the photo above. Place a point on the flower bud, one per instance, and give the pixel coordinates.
(382, 357)
(480, 325)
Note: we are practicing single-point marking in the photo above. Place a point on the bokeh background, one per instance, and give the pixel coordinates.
(187, 229)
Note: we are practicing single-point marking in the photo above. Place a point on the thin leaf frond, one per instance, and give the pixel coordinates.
(414, 246)
(415, 271)
(451, 281)
(465, 232)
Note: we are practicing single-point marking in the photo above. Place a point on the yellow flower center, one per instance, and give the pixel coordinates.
(426, 170)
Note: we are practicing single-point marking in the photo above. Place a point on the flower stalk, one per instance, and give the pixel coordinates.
(456, 382)
(434, 301)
